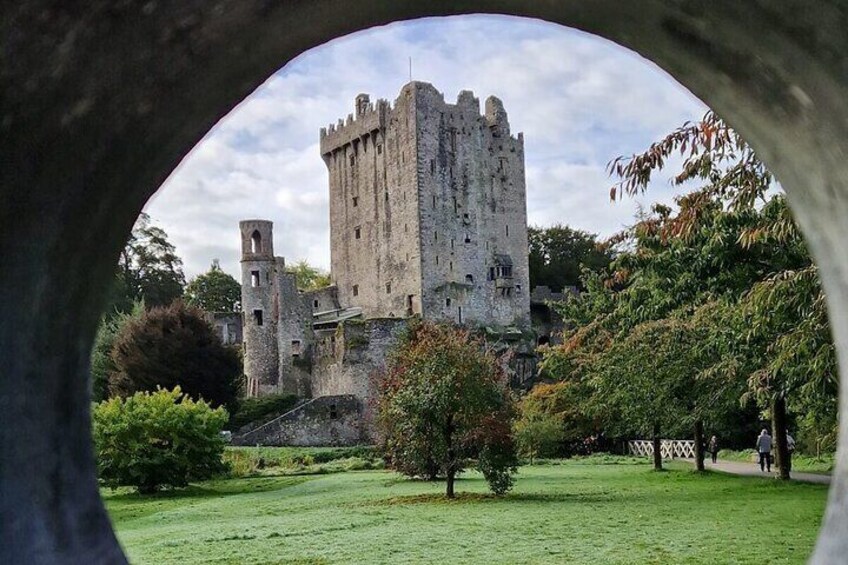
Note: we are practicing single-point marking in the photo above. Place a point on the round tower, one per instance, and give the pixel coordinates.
(259, 306)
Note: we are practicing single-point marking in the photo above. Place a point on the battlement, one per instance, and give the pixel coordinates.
(369, 118)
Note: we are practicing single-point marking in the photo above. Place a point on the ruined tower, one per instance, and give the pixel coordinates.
(428, 211)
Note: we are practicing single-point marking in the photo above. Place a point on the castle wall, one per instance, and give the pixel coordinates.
(473, 212)
(348, 357)
(374, 207)
(294, 337)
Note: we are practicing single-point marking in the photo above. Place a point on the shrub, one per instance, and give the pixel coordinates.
(176, 346)
(157, 439)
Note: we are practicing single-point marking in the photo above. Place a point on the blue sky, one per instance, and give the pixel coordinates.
(579, 100)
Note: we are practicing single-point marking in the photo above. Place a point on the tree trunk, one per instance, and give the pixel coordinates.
(699, 445)
(778, 424)
(450, 479)
(657, 448)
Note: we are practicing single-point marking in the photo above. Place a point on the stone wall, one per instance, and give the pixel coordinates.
(324, 421)
(294, 338)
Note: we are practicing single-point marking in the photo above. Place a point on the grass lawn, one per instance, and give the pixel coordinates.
(575, 512)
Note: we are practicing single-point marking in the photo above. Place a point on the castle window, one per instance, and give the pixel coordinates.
(380, 149)
(388, 288)
(452, 244)
(437, 259)
(296, 348)
(465, 216)
(403, 157)
(491, 273)
(357, 232)
(469, 278)
(432, 166)
(455, 205)
(436, 236)
(447, 302)
(467, 238)
(257, 317)
(507, 231)
(254, 278)
(334, 414)
(352, 160)
(409, 309)
(386, 196)
(355, 201)
(459, 314)
(256, 242)
(434, 201)
(518, 289)
(451, 266)
(356, 290)
(315, 304)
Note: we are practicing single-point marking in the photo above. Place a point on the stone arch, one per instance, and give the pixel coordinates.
(100, 103)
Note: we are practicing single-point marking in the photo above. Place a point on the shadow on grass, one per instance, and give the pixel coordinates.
(482, 498)
(216, 488)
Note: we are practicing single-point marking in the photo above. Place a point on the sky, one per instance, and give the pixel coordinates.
(580, 101)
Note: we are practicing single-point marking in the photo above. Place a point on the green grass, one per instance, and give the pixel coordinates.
(574, 512)
(800, 463)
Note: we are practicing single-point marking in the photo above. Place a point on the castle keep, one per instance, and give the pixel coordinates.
(427, 219)
(428, 210)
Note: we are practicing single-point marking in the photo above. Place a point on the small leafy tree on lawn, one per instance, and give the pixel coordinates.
(445, 400)
(157, 439)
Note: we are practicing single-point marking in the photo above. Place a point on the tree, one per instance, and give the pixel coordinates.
(157, 439)
(175, 346)
(102, 365)
(214, 291)
(445, 399)
(309, 277)
(149, 269)
(559, 253)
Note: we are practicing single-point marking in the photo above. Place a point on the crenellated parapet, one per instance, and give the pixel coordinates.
(369, 119)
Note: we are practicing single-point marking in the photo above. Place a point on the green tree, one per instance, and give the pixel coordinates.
(102, 365)
(157, 439)
(149, 269)
(174, 346)
(309, 277)
(559, 253)
(214, 291)
(445, 399)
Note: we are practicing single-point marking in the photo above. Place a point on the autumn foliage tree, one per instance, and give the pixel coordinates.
(443, 401)
(175, 346)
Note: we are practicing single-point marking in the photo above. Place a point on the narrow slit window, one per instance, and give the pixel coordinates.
(447, 302)
(254, 278)
(507, 230)
(357, 233)
(388, 288)
(356, 290)
(355, 201)
(257, 317)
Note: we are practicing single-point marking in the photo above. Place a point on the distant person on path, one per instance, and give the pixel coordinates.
(764, 449)
(790, 449)
(713, 448)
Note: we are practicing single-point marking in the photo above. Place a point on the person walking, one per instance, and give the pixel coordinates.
(713, 448)
(764, 449)
(790, 449)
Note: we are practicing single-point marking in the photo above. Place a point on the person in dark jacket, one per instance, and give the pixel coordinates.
(764, 449)
(712, 447)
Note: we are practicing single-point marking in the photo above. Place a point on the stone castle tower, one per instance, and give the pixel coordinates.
(277, 323)
(428, 211)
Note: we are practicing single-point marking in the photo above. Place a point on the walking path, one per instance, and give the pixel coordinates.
(753, 470)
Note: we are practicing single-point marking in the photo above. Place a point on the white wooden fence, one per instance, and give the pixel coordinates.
(669, 448)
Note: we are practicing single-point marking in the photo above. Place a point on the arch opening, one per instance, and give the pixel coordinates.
(757, 65)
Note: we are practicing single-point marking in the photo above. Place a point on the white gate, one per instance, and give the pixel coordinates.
(669, 448)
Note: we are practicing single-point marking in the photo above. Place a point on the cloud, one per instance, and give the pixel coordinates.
(579, 100)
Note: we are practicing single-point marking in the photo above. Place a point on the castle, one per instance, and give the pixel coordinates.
(427, 219)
